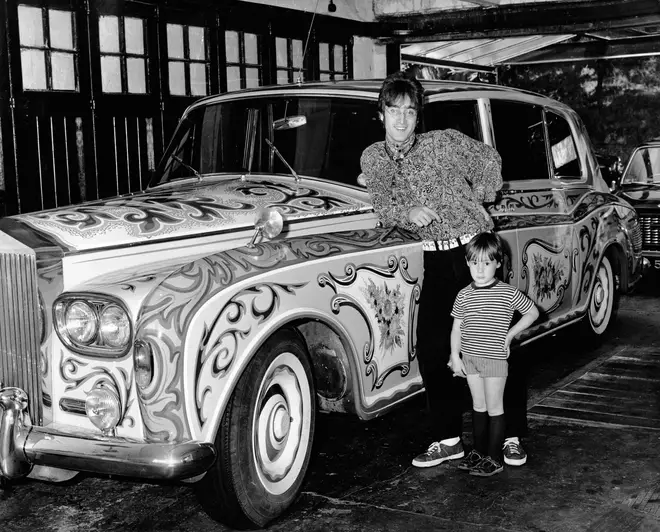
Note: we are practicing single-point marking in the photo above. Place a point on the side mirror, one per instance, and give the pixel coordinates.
(268, 224)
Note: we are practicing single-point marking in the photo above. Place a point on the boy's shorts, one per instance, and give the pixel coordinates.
(485, 367)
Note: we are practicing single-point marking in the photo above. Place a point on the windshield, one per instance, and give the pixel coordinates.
(231, 137)
(644, 167)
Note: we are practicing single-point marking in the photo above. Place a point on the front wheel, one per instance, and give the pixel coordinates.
(603, 301)
(265, 438)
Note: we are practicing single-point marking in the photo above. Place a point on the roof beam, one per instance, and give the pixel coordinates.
(446, 64)
(517, 20)
(589, 51)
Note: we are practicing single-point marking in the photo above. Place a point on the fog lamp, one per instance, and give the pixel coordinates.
(143, 363)
(103, 408)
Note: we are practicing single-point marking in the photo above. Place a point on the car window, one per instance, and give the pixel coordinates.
(520, 140)
(566, 163)
(318, 137)
(462, 115)
(644, 167)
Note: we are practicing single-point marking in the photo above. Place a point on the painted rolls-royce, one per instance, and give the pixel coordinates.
(640, 186)
(193, 331)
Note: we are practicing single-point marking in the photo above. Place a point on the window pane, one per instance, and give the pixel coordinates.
(339, 58)
(109, 34)
(280, 52)
(30, 26)
(196, 43)
(564, 152)
(175, 41)
(177, 78)
(520, 140)
(462, 116)
(324, 56)
(110, 74)
(252, 77)
(282, 77)
(61, 29)
(251, 51)
(233, 78)
(64, 73)
(324, 77)
(134, 35)
(231, 44)
(198, 79)
(137, 80)
(33, 63)
(297, 53)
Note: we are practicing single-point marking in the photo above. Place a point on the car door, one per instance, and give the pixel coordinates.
(470, 115)
(535, 202)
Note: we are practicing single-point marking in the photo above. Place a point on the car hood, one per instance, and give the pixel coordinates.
(642, 196)
(186, 209)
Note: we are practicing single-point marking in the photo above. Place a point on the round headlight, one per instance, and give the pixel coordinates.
(103, 408)
(80, 322)
(114, 327)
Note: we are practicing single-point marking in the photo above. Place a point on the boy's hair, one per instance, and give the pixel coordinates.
(399, 85)
(489, 244)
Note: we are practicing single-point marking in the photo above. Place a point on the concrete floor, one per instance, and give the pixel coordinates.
(593, 461)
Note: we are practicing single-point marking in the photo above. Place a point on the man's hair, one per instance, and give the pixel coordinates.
(399, 85)
(485, 244)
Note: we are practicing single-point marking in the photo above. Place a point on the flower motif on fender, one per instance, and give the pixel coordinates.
(547, 275)
(388, 306)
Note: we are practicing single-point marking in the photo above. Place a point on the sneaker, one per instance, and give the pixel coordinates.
(438, 453)
(487, 468)
(471, 460)
(514, 454)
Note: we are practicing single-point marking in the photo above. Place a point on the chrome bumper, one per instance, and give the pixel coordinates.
(22, 446)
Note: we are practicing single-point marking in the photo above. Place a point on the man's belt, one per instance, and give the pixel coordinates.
(444, 245)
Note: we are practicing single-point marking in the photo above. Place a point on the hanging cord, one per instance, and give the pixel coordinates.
(311, 25)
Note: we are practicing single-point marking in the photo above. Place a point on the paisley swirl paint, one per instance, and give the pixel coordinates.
(167, 313)
(75, 374)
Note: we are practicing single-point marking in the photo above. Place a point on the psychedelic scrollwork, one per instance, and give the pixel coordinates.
(380, 295)
(221, 340)
(76, 374)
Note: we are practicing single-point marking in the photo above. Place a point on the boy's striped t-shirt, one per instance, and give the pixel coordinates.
(486, 313)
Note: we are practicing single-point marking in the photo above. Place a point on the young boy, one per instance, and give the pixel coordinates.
(482, 334)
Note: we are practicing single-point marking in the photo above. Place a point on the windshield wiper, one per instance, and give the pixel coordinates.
(187, 166)
(277, 152)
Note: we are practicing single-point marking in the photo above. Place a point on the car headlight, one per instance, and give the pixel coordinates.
(91, 324)
(103, 408)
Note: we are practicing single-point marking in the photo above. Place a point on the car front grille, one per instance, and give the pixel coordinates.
(650, 225)
(20, 328)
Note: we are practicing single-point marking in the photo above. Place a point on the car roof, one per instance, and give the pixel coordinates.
(370, 87)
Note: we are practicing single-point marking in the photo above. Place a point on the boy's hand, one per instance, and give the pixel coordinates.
(456, 365)
(507, 345)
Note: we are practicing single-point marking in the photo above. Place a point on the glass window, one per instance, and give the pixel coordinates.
(460, 115)
(123, 55)
(230, 137)
(566, 163)
(644, 167)
(332, 61)
(48, 53)
(289, 59)
(188, 64)
(243, 53)
(520, 140)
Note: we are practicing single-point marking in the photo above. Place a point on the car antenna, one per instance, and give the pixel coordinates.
(309, 32)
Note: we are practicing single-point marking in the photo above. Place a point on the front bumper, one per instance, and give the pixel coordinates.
(23, 445)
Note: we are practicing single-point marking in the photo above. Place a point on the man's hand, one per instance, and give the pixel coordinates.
(422, 216)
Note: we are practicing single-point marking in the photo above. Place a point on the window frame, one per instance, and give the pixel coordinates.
(48, 49)
(123, 55)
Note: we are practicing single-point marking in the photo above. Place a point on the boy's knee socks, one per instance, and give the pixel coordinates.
(497, 426)
(480, 431)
